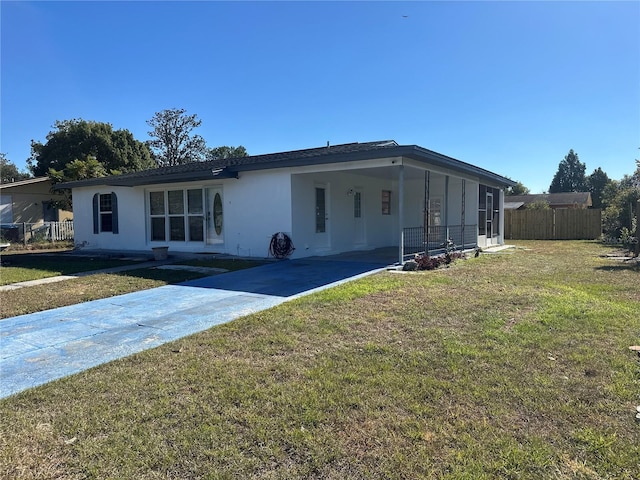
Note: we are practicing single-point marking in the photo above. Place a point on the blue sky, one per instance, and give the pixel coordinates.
(508, 86)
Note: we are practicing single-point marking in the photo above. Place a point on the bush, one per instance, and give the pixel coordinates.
(425, 262)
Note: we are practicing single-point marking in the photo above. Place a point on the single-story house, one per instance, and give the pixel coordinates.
(27, 207)
(555, 200)
(31, 201)
(328, 200)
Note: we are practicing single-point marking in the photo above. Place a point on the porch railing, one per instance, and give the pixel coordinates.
(36, 232)
(436, 237)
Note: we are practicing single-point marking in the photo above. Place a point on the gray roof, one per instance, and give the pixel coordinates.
(512, 205)
(563, 198)
(348, 152)
(21, 183)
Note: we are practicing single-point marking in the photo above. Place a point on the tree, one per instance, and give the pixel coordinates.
(90, 167)
(597, 182)
(173, 142)
(539, 205)
(570, 176)
(9, 172)
(620, 200)
(517, 189)
(220, 153)
(116, 150)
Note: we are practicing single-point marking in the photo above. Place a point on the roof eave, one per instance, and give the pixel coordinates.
(416, 152)
(119, 181)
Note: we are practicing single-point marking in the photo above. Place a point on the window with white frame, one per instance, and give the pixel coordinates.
(176, 215)
(105, 213)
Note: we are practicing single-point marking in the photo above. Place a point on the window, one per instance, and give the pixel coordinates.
(6, 209)
(217, 213)
(105, 213)
(386, 202)
(357, 205)
(177, 215)
(156, 210)
(321, 211)
(435, 212)
(195, 213)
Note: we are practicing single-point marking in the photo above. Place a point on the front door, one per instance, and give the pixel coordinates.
(489, 217)
(322, 216)
(359, 237)
(215, 217)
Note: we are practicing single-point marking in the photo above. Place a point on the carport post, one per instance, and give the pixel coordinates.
(637, 249)
(401, 212)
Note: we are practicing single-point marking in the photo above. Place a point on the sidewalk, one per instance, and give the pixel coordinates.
(45, 346)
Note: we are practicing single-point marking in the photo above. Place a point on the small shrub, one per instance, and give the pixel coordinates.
(426, 262)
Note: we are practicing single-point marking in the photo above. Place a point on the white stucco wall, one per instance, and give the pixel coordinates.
(255, 206)
(379, 230)
(131, 220)
(261, 203)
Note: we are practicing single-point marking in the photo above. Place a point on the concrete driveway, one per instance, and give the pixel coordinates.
(41, 347)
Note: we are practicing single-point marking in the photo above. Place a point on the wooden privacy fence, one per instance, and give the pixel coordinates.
(552, 224)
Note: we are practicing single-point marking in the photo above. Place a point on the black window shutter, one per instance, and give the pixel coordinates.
(96, 213)
(114, 212)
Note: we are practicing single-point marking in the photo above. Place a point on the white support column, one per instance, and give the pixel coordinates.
(446, 207)
(401, 212)
(501, 215)
(462, 213)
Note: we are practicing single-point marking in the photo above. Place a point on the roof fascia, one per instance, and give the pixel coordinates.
(427, 156)
(22, 183)
(414, 152)
(117, 181)
(348, 165)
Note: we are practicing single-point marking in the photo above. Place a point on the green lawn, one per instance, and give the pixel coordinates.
(69, 292)
(503, 366)
(20, 267)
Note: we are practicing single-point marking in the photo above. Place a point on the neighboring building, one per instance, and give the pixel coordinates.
(555, 200)
(329, 200)
(30, 201)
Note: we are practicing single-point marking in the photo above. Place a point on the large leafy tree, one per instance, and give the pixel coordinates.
(620, 201)
(570, 176)
(597, 182)
(88, 167)
(518, 189)
(172, 139)
(116, 150)
(9, 172)
(220, 153)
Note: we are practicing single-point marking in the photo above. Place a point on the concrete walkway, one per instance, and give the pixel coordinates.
(41, 347)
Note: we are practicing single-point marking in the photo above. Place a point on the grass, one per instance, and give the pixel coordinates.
(69, 292)
(504, 366)
(20, 267)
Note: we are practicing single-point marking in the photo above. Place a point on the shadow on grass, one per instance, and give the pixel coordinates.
(32, 266)
(168, 276)
(633, 266)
